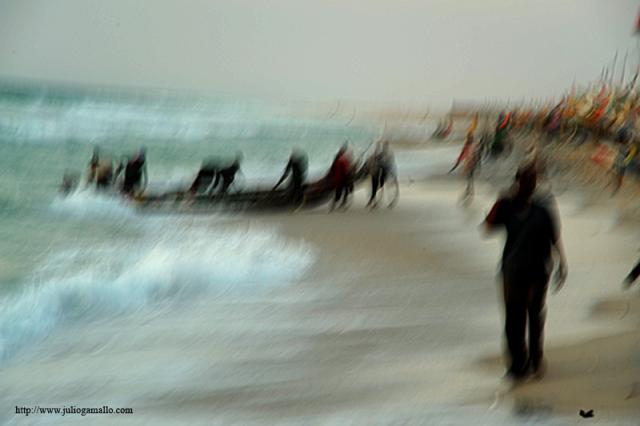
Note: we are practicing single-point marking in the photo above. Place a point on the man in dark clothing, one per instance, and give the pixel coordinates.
(135, 172)
(381, 165)
(93, 165)
(340, 176)
(100, 171)
(226, 176)
(206, 175)
(532, 232)
(297, 168)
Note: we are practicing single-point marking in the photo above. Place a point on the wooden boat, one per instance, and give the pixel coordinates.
(259, 199)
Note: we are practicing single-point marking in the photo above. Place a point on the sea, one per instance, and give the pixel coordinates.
(71, 259)
(76, 270)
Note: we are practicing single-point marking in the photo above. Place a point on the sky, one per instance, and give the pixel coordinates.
(427, 52)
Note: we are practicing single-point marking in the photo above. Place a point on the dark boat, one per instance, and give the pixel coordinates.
(260, 199)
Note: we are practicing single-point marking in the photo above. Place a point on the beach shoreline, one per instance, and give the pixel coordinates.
(590, 367)
(397, 319)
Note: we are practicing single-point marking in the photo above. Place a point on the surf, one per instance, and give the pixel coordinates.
(172, 263)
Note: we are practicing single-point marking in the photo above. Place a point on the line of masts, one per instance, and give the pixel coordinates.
(607, 75)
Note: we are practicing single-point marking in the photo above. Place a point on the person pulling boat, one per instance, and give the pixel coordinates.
(296, 169)
(135, 173)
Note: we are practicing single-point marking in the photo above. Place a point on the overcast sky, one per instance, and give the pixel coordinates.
(407, 51)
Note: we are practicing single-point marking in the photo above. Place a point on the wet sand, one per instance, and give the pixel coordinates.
(398, 321)
(421, 300)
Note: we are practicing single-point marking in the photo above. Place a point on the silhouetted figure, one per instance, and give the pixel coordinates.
(381, 166)
(205, 178)
(69, 183)
(100, 171)
(296, 170)
(533, 230)
(93, 165)
(135, 173)
(226, 176)
(340, 176)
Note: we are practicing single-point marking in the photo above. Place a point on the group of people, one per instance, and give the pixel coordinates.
(215, 174)
(102, 174)
(343, 172)
(379, 167)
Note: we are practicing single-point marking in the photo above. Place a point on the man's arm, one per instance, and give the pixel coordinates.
(562, 271)
(214, 185)
(145, 178)
(558, 247)
(118, 170)
(287, 170)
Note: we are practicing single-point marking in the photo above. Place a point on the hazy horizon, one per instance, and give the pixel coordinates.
(413, 52)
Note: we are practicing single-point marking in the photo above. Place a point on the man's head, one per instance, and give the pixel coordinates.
(526, 180)
(96, 154)
(142, 153)
(296, 152)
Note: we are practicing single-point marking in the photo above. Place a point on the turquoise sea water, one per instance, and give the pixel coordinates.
(44, 133)
(62, 258)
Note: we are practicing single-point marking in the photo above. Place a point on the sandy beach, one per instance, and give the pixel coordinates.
(398, 320)
(421, 311)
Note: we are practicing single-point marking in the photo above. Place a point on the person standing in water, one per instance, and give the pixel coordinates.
(226, 176)
(532, 232)
(93, 165)
(135, 173)
(69, 183)
(100, 171)
(297, 169)
(206, 175)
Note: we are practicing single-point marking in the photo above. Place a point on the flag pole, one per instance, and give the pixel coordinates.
(613, 67)
(624, 67)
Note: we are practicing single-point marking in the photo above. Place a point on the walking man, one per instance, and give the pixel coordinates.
(533, 231)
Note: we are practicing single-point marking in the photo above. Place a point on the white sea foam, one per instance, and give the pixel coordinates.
(173, 261)
(89, 204)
